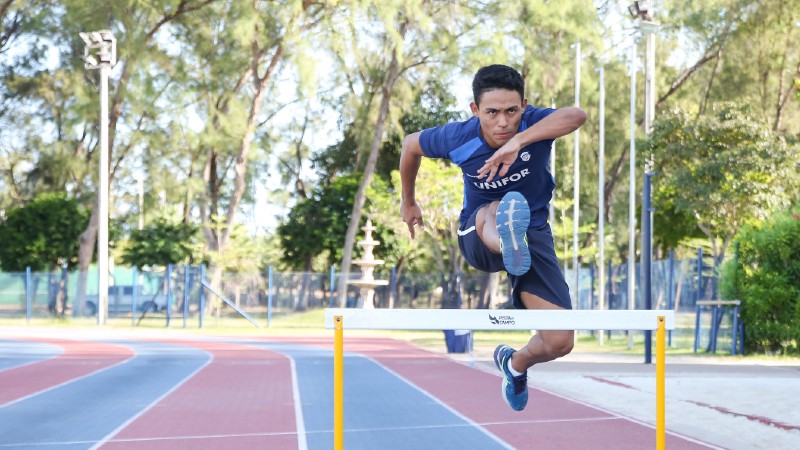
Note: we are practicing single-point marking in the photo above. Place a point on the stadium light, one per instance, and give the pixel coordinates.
(100, 53)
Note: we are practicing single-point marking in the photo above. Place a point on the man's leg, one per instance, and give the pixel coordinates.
(486, 226)
(502, 227)
(545, 345)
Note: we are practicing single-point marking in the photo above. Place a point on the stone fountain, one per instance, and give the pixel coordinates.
(367, 283)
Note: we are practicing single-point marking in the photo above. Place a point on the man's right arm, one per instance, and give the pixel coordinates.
(410, 159)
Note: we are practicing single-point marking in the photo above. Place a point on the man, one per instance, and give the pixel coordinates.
(503, 152)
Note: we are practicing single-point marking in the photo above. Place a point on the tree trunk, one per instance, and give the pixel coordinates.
(358, 204)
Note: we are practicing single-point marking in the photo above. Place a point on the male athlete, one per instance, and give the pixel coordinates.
(503, 152)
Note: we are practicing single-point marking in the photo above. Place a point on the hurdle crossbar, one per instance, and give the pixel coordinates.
(482, 319)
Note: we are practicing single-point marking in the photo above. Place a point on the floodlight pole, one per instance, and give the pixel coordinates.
(101, 53)
(102, 225)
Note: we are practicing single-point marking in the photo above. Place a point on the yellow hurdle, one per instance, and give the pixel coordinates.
(338, 385)
(661, 407)
(385, 319)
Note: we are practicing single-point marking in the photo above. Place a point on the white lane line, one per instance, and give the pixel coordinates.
(298, 409)
(153, 403)
(56, 386)
(444, 405)
(30, 345)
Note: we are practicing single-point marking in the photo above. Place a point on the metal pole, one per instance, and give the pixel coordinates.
(185, 294)
(135, 295)
(650, 80)
(140, 181)
(333, 284)
(671, 290)
(553, 170)
(28, 299)
(632, 197)
(269, 295)
(577, 181)
(646, 262)
(102, 202)
(601, 294)
(202, 294)
(169, 292)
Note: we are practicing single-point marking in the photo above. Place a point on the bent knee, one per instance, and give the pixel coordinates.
(560, 345)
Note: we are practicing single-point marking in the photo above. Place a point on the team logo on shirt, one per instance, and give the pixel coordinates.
(525, 156)
(500, 182)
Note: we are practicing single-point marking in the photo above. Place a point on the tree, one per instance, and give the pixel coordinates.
(161, 243)
(440, 187)
(43, 235)
(239, 49)
(719, 172)
(318, 224)
(401, 47)
(765, 276)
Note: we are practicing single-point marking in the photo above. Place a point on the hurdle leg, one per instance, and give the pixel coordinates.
(661, 434)
(338, 384)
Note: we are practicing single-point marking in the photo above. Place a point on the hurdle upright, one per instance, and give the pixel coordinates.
(486, 319)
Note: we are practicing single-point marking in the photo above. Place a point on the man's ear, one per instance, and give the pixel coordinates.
(474, 107)
(524, 103)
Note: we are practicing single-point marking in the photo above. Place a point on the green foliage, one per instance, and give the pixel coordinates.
(718, 172)
(318, 224)
(42, 234)
(161, 243)
(765, 275)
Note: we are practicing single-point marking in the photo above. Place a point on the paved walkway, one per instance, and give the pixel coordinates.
(729, 402)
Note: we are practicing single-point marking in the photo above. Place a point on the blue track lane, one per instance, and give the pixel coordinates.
(14, 353)
(102, 401)
(381, 410)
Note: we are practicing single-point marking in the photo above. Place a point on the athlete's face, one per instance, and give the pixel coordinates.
(500, 112)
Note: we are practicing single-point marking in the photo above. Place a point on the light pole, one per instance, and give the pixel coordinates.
(576, 207)
(101, 53)
(643, 12)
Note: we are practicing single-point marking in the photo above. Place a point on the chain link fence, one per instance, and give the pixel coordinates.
(183, 295)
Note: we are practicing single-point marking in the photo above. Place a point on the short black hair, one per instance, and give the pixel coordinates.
(496, 76)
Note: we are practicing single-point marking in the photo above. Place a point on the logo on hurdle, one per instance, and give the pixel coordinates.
(502, 320)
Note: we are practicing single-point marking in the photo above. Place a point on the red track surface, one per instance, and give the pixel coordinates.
(80, 358)
(241, 399)
(549, 421)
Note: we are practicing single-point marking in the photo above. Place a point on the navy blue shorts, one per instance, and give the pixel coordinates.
(544, 279)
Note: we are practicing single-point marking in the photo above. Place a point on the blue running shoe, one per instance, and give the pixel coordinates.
(513, 217)
(515, 389)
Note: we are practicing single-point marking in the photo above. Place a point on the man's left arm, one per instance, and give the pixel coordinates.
(561, 122)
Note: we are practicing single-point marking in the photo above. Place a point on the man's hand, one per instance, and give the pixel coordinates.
(412, 215)
(500, 162)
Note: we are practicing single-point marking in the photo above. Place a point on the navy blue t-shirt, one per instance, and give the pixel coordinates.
(461, 142)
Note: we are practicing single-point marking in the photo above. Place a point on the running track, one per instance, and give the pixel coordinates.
(276, 393)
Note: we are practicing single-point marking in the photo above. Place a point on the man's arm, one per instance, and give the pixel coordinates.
(410, 159)
(561, 122)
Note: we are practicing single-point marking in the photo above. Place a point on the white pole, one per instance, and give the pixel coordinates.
(576, 189)
(102, 226)
(601, 292)
(650, 83)
(632, 197)
(552, 171)
(140, 180)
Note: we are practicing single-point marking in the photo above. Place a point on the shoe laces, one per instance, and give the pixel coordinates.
(520, 383)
